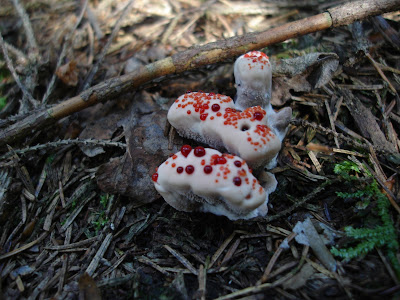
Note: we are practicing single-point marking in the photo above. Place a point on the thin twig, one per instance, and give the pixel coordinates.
(19, 55)
(66, 44)
(332, 122)
(378, 69)
(258, 288)
(28, 27)
(24, 247)
(194, 58)
(99, 254)
(63, 143)
(336, 134)
(301, 201)
(182, 260)
(93, 71)
(14, 73)
(275, 257)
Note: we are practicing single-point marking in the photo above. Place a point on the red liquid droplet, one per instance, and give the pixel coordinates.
(179, 170)
(258, 116)
(189, 169)
(221, 160)
(185, 150)
(203, 117)
(215, 107)
(208, 169)
(154, 177)
(188, 112)
(199, 151)
(238, 163)
(237, 181)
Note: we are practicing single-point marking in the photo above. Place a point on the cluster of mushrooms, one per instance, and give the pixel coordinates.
(206, 180)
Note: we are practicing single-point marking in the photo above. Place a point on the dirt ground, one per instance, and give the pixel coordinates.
(79, 215)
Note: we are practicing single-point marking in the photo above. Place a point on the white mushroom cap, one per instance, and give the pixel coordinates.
(203, 179)
(253, 76)
(212, 119)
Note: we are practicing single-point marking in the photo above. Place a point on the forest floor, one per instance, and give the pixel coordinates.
(79, 215)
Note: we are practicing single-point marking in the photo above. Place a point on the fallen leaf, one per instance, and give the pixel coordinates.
(68, 73)
(88, 289)
(301, 74)
(130, 175)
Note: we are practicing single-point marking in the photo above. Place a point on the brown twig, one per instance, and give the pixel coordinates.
(378, 69)
(27, 26)
(93, 71)
(66, 44)
(13, 72)
(61, 143)
(274, 258)
(196, 57)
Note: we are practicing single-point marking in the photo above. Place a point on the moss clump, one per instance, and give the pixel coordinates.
(367, 238)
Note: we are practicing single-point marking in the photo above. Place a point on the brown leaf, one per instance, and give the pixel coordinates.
(130, 175)
(88, 289)
(68, 73)
(302, 74)
(366, 122)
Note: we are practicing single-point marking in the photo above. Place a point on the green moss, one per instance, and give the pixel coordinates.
(382, 236)
(3, 102)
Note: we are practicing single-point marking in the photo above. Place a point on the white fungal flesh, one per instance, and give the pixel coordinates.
(203, 179)
(218, 183)
(253, 76)
(212, 119)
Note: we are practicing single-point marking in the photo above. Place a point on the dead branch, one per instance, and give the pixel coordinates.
(196, 57)
(28, 27)
(93, 71)
(63, 53)
(13, 72)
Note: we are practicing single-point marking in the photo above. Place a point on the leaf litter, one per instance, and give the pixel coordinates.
(78, 211)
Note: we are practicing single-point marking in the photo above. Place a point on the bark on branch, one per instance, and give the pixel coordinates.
(193, 58)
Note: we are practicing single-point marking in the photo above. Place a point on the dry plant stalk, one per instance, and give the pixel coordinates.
(196, 57)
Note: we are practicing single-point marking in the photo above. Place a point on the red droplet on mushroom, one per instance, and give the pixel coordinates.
(237, 163)
(258, 115)
(199, 151)
(221, 160)
(215, 107)
(203, 117)
(237, 181)
(189, 169)
(208, 169)
(154, 177)
(185, 150)
(189, 112)
(179, 170)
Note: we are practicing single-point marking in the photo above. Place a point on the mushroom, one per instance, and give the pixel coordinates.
(213, 120)
(253, 76)
(203, 179)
